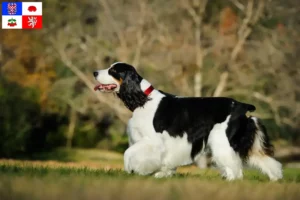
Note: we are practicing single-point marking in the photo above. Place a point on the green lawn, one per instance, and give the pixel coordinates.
(53, 180)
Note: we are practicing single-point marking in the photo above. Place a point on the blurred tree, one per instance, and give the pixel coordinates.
(25, 64)
(213, 48)
(14, 123)
(246, 49)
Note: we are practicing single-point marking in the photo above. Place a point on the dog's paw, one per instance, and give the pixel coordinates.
(163, 174)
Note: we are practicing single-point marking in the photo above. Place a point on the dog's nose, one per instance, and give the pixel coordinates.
(95, 74)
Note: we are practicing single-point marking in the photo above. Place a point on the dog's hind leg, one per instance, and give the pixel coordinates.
(267, 165)
(260, 156)
(223, 154)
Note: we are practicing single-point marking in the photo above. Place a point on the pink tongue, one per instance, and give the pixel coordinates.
(102, 86)
(113, 86)
(97, 87)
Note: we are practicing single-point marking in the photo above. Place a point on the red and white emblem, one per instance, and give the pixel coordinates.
(31, 8)
(12, 8)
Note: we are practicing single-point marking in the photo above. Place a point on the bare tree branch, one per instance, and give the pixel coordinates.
(109, 16)
(273, 105)
(197, 18)
(140, 36)
(221, 85)
(252, 16)
(121, 112)
(238, 4)
(71, 128)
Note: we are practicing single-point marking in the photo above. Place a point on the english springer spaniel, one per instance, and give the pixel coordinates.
(168, 131)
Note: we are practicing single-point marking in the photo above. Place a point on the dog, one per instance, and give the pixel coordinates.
(168, 131)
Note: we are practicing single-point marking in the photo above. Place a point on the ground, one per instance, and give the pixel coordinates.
(98, 175)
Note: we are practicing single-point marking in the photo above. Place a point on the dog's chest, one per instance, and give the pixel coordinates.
(177, 150)
(142, 118)
(142, 122)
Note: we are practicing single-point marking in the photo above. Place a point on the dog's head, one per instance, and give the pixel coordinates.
(111, 79)
(122, 79)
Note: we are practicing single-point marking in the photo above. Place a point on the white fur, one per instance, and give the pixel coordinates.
(133, 135)
(144, 157)
(178, 150)
(104, 78)
(265, 163)
(145, 84)
(201, 158)
(223, 155)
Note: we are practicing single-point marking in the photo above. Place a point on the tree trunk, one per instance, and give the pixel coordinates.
(199, 51)
(199, 59)
(72, 125)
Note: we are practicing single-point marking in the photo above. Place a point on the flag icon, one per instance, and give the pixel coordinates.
(32, 22)
(12, 22)
(32, 8)
(22, 15)
(12, 8)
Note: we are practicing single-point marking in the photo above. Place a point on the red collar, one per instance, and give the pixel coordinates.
(149, 90)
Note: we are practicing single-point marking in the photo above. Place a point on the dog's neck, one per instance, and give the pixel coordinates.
(146, 87)
(135, 96)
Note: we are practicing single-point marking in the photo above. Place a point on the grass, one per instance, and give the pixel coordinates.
(78, 155)
(105, 179)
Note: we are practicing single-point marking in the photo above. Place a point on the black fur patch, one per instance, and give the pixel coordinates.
(130, 91)
(196, 117)
(120, 70)
(241, 134)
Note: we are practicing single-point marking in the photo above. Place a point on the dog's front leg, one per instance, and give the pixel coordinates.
(133, 134)
(143, 157)
(165, 172)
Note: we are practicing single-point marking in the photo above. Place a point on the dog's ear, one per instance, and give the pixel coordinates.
(130, 91)
(131, 81)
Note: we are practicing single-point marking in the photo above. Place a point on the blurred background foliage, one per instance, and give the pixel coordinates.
(245, 49)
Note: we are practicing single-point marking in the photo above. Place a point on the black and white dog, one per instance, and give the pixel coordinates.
(167, 131)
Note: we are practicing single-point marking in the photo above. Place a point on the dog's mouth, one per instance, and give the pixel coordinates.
(105, 87)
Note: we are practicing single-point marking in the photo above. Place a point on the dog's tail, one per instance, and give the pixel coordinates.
(240, 108)
(249, 107)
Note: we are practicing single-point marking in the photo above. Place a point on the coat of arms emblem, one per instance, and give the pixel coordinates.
(12, 8)
(12, 22)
